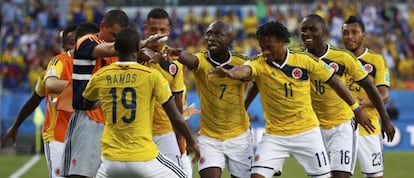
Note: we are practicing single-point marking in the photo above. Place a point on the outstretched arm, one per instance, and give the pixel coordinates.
(27, 109)
(179, 123)
(346, 95)
(377, 102)
(184, 57)
(243, 72)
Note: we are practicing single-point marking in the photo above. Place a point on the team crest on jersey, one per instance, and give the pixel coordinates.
(57, 171)
(297, 73)
(202, 160)
(334, 66)
(256, 158)
(74, 162)
(172, 69)
(368, 68)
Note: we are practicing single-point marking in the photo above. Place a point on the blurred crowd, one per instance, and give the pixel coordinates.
(29, 34)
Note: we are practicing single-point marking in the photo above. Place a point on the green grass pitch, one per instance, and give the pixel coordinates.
(397, 164)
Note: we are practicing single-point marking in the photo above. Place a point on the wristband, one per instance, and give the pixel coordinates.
(358, 109)
(355, 106)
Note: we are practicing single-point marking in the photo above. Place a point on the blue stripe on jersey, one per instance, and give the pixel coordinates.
(83, 69)
(82, 57)
(78, 88)
(290, 71)
(341, 68)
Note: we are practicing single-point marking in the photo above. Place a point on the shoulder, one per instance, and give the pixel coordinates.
(342, 52)
(302, 54)
(240, 55)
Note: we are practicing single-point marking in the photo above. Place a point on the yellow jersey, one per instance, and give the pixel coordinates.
(285, 91)
(330, 108)
(223, 115)
(127, 92)
(174, 73)
(375, 65)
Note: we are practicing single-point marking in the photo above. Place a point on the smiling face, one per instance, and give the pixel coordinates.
(219, 37)
(312, 33)
(352, 36)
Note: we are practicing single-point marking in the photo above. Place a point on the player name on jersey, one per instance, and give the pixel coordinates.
(121, 78)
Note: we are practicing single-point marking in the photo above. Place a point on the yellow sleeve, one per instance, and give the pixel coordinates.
(178, 82)
(40, 86)
(383, 75)
(354, 68)
(201, 61)
(54, 68)
(255, 66)
(162, 91)
(91, 91)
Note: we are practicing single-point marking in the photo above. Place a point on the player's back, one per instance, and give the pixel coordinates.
(126, 92)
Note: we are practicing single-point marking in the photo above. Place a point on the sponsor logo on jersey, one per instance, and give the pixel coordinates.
(387, 77)
(297, 73)
(51, 71)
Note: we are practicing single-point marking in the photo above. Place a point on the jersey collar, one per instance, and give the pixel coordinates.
(326, 53)
(284, 62)
(218, 63)
(125, 62)
(365, 52)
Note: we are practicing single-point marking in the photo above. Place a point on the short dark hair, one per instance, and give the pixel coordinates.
(318, 19)
(66, 30)
(116, 16)
(158, 13)
(127, 41)
(353, 19)
(86, 28)
(275, 29)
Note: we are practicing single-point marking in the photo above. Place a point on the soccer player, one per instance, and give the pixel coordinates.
(158, 24)
(335, 117)
(225, 135)
(82, 141)
(54, 85)
(283, 79)
(369, 152)
(127, 92)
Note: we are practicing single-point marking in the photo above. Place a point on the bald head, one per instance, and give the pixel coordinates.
(221, 26)
(219, 36)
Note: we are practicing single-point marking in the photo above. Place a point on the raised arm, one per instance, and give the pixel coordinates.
(180, 124)
(104, 50)
(346, 95)
(27, 109)
(184, 57)
(377, 101)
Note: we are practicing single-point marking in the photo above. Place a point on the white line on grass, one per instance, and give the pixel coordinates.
(26, 166)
